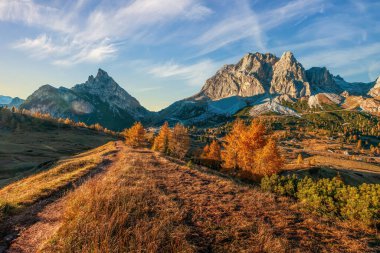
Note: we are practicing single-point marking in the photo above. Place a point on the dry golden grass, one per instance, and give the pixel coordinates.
(147, 203)
(27, 191)
(121, 212)
(342, 163)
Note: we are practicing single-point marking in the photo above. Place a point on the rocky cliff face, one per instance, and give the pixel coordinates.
(265, 79)
(289, 77)
(249, 77)
(375, 91)
(257, 74)
(99, 100)
(321, 80)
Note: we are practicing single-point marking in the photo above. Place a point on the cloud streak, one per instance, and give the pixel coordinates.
(94, 38)
(194, 74)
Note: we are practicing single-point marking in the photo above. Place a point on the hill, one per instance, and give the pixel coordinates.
(146, 201)
(29, 144)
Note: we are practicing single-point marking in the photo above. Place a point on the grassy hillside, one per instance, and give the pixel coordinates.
(30, 144)
(23, 193)
(148, 203)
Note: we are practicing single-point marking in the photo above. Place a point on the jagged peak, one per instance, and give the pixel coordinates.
(101, 73)
(288, 55)
(100, 76)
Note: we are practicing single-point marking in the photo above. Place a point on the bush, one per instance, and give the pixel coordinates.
(329, 197)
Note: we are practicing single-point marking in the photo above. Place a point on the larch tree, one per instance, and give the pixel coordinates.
(299, 159)
(251, 140)
(268, 160)
(231, 145)
(206, 151)
(214, 151)
(211, 155)
(135, 136)
(161, 142)
(179, 141)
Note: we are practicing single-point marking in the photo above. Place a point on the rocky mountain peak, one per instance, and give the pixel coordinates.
(375, 91)
(321, 80)
(289, 77)
(288, 56)
(249, 77)
(107, 90)
(101, 74)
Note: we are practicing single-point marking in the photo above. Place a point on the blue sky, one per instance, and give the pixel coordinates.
(161, 51)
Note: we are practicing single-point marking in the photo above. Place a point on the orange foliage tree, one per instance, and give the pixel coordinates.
(161, 142)
(135, 136)
(248, 150)
(268, 160)
(212, 151)
(179, 141)
(212, 154)
(231, 145)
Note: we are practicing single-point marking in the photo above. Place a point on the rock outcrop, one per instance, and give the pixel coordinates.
(289, 77)
(249, 77)
(375, 91)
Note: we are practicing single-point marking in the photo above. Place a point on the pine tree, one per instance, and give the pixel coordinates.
(179, 141)
(161, 142)
(135, 136)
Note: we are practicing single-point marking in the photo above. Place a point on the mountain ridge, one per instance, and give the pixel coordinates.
(98, 100)
(256, 79)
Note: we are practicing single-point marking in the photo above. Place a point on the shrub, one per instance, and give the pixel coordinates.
(329, 197)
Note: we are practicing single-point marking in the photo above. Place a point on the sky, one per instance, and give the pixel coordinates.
(162, 51)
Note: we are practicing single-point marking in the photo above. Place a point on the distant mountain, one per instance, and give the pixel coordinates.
(99, 100)
(4, 100)
(263, 81)
(10, 102)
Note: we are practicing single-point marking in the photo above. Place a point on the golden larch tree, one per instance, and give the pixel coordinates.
(135, 136)
(214, 151)
(206, 151)
(299, 159)
(179, 141)
(251, 140)
(231, 145)
(268, 160)
(161, 142)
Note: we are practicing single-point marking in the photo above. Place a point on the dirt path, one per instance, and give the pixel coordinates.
(38, 222)
(222, 215)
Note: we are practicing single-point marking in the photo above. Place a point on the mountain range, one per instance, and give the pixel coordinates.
(10, 101)
(261, 81)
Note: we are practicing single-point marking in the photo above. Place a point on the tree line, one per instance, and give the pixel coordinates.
(14, 119)
(247, 151)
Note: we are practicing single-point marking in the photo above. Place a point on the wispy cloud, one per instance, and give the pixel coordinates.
(245, 23)
(347, 62)
(194, 74)
(95, 37)
(148, 89)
